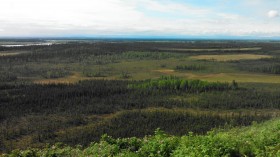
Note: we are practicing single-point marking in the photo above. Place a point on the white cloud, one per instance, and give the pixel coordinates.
(123, 17)
(173, 7)
(273, 13)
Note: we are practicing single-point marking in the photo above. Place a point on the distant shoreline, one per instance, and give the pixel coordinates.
(22, 45)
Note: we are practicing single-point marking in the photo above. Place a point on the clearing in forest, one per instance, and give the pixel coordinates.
(165, 71)
(239, 77)
(213, 49)
(233, 57)
(75, 77)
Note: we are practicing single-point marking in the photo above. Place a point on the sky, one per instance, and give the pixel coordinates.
(140, 18)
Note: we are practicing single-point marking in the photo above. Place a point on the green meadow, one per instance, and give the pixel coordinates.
(148, 68)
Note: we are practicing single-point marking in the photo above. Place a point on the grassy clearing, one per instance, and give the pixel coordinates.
(150, 69)
(234, 57)
(239, 77)
(221, 113)
(75, 77)
(222, 77)
(215, 49)
(165, 71)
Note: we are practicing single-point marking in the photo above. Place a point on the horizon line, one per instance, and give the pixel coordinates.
(139, 37)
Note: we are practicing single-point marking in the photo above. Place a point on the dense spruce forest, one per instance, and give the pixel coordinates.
(76, 91)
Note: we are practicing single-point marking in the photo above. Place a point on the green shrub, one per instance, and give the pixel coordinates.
(158, 145)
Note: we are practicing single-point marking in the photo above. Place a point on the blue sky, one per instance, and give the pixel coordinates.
(147, 18)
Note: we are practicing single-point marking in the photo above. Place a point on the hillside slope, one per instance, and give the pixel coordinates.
(256, 140)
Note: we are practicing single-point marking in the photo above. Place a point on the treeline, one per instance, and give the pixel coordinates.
(84, 97)
(7, 76)
(79, 51)
(271, 69)
(138, 123)
(108, 96)
(175, 83)
(55, 73)
(139, 55)
(265, 65)
(74, 51)
(193, 67)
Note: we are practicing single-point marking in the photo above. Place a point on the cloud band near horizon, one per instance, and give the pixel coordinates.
(31, 18)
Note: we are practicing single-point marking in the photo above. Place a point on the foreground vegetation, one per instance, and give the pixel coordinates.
(257, 140)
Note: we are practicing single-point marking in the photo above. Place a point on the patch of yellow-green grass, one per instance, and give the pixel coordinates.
(233, 57)
(139, 70)
(165, 71)
(239, 77)
(214, 49)
(224, 77)
(75, 77)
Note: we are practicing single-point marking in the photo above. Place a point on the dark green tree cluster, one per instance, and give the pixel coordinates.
(7, 77)
(272, 69)
(55, 73)
(265, 65)
(142, 122)
(193, 67)
(174, 83)
(139, 55)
